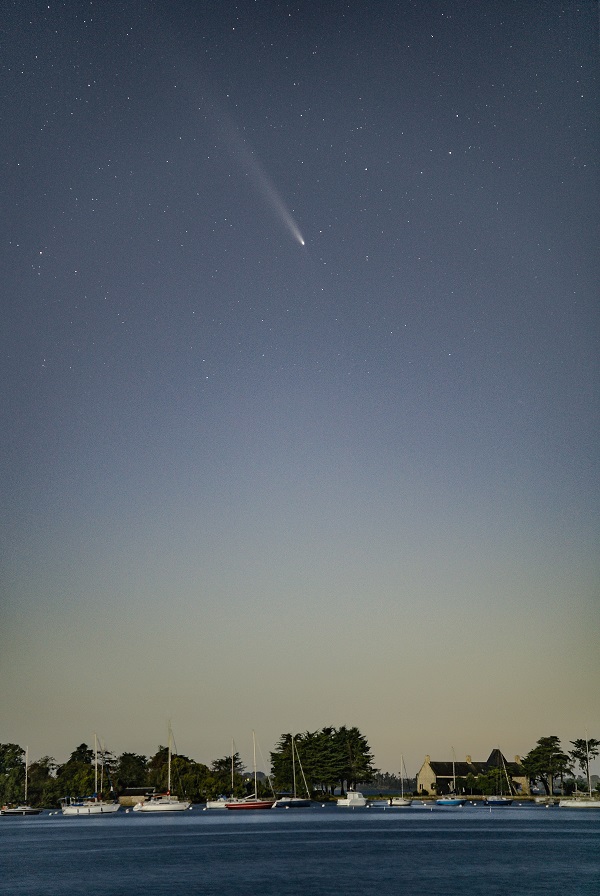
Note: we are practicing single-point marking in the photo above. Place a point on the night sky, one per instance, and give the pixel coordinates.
(300, 374)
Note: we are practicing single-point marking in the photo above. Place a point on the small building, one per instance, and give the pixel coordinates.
(132, 795)
(438, 777)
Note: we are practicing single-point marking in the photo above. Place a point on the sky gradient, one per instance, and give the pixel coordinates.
(300, 374)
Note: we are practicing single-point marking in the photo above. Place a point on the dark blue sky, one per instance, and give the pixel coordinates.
(214, 434)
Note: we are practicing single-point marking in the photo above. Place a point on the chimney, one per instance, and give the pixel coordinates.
(428, 759)
(518, 760)
(469, 759)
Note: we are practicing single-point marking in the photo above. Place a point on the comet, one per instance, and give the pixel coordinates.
(265, 186)
(271, 195)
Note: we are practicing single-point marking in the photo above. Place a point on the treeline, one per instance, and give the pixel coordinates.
(323, 760)
(329, 758)
(548, 764)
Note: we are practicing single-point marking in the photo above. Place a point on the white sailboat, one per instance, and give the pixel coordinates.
(221, 801)
(582, 800)
(23, 808)
(90, 805)
(164, 802)
(401, 802)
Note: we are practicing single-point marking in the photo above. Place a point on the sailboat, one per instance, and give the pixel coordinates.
(582, 800)
(164, 802)
(401, 802)
(90, 805)
(499, 799)
(294, 801)
(23, 808)
(221, 801)
(452, 799)
(252, 801)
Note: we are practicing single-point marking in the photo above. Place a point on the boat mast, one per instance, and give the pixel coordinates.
(169, 762)
(587, 754)
(254, 763)
(26, 761)
(95, 765)
(232, 755)
(453, 771)
(293, 767)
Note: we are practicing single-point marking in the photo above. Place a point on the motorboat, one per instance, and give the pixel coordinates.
(353, 800)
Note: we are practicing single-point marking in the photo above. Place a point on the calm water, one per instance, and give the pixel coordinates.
(517, 850)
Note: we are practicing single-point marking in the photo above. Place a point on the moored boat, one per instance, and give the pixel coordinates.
(252, 801)
(499, 800)
(164, 802)
(90, 805)
(353, 800)
(401, 802)
(583, 800)
(19, 810)
(579, 802)
(23, 808)
(293, 801)
(451, 799)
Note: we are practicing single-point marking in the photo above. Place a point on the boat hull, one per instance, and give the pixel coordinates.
(450, 802)
(251, 804)
(581, 803)
(354, 800)
(292, 802)
(163, 804)
(19, 810)
(91, 808)
(498, 801)
(400, 802)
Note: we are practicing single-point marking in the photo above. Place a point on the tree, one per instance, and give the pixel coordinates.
(220, 776)
(76, 776)
(12, 773)
(583, 750)
(82, 754)
(131, 770)
(330, 757)
(546, 762)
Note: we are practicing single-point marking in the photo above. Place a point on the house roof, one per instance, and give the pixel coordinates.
(462, 769)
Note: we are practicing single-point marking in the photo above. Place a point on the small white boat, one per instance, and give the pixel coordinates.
(219, 803)
(583, 800)
(579, 802)
(401, 802)
(353, 800)
(164, 802)
(19, 810)
(90, 805)
(23, 808)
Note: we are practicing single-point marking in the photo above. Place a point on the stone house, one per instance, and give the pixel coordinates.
(437, 777)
